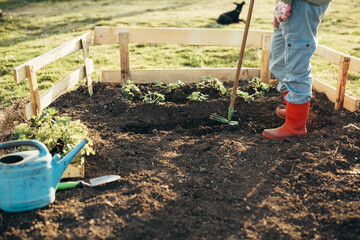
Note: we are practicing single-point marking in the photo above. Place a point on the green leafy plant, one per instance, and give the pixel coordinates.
(214, 83)
(172, 86)
(129, 89)
(157, 84)
(198, 96)
(259, 87)
(244, 95)
(153, 97)
(59, 134)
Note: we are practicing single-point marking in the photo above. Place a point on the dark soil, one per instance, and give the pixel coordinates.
(184, 176)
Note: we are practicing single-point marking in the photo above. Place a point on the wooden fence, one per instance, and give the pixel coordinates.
(215, 37)
(28, 70)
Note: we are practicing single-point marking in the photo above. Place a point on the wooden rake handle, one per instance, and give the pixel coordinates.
(242, 50)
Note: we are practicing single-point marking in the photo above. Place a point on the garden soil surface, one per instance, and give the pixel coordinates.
(185, 176)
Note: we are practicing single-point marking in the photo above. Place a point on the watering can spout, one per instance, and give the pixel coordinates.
(59, 166)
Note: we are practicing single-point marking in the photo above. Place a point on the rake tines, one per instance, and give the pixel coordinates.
(219, 118)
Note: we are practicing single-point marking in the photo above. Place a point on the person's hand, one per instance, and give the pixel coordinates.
(281, 13)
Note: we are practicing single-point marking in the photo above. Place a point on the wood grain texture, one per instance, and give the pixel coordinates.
(63, 50)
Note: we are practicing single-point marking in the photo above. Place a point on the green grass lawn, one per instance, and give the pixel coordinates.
(33, 27)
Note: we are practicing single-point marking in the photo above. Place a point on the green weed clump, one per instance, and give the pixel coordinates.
(59, 134)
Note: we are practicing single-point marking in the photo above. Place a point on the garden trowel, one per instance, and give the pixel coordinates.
(93, 182)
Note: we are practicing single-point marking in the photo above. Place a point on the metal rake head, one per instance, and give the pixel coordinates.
(218, 118)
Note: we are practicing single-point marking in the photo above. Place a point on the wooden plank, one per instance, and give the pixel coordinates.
(124, 56)
(354, 64)
(182, 36)
(351, 103)
(335, 57)
(34, 90)
(74, 171)
(65, 49)
(265, 59)
(60, 88)
(341, 87)
(186, 75)
(85, 48)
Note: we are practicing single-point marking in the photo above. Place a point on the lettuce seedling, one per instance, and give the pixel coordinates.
(214, 83)
(244, 95)
(172, 86)
(198, 96)
(259, 87)
(129, 89)
(153, 97)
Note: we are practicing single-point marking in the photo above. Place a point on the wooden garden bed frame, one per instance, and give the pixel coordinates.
(28, 70)
(181, 36)
(216, 37)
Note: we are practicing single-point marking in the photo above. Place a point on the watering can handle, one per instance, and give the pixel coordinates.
(68, 185)
(34, 143)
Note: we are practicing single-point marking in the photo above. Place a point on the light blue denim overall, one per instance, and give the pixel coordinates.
(292, 46)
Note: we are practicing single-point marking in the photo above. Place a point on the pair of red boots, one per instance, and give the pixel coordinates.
(295, 116)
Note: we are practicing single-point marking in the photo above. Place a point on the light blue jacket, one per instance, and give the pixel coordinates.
(316, 2)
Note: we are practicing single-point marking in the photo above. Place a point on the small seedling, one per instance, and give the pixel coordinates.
(157, 84)
(244, 95)
(247, 98)
(129, 89)
(214, 83)
(198, 97)
(172, 86)
(259, 87)
(153, 97)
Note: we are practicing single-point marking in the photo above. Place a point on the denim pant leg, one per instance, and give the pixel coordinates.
(300, 39)
(277, 59)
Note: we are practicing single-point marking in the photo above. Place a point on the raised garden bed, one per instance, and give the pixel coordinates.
(185, 176)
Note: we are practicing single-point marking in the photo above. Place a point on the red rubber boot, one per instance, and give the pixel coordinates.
(295, 123)
(281, 109)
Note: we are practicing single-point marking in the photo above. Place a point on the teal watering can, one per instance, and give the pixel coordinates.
(28, 179)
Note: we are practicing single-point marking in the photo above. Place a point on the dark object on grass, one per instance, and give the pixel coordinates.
(232, 16)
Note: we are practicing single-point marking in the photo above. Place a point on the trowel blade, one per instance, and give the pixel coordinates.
(104, 179)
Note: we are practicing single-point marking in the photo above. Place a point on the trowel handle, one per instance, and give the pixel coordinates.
(34, 143)
(68, 185)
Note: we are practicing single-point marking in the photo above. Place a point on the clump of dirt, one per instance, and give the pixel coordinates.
(185, 176)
